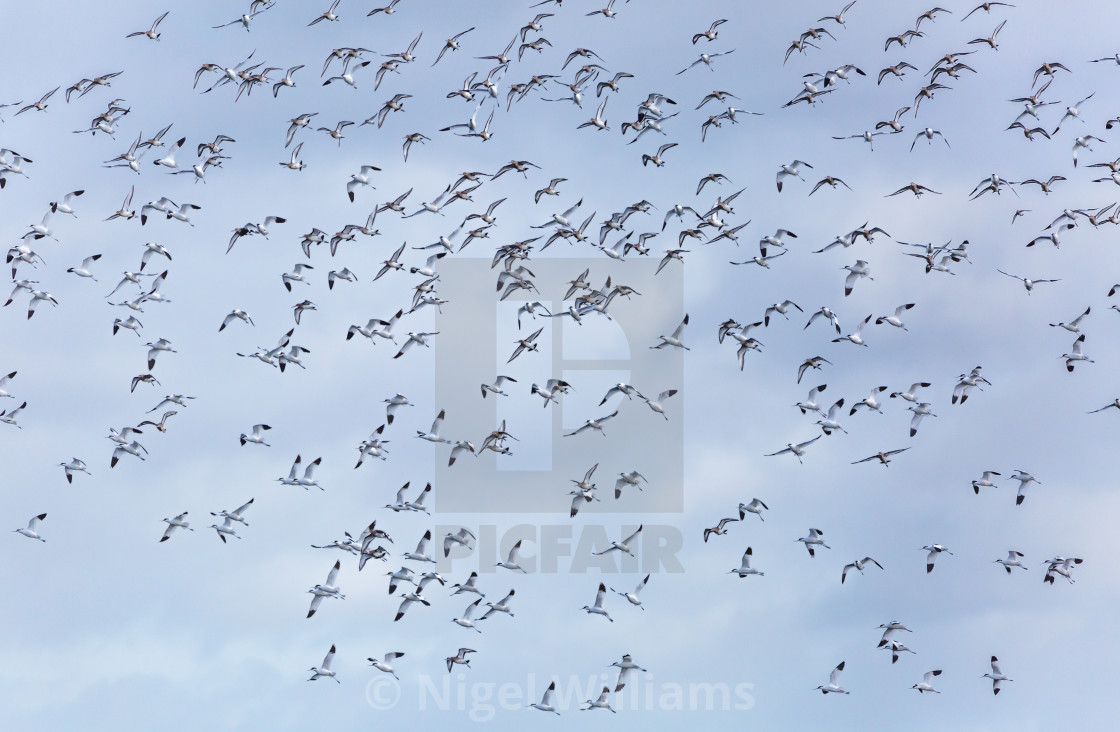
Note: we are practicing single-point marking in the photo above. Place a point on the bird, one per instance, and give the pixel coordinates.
(922, 409)
(602, 702)
(927, 682)
(997, 676)
(466, 621)
(632, 598)
(257, 436)
(858, 565)
(324, 669)
(909, 395)
(74, 466)
(597, 608)
(32, 530)
(502, 606)
(882, 457)
(934, 551)
(329, 589)
(1028, 283)
(548, 701)
(513, 560)
(745, 569)
(1014, 559)
(627, 479)
(385, 664)
(1024, 479)
(674, 339)
(624, 546)
(985, 481)
(798, 449)
(755, 506)
(178, 522)
(460, 657)
(792, 169)
(834, 682)
(813, 539)
(718, 530)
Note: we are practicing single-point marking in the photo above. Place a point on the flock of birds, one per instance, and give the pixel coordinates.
(464, 202)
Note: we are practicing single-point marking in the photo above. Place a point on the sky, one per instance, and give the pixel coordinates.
(108, 626)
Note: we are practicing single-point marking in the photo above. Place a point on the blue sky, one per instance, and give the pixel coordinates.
(108, 626)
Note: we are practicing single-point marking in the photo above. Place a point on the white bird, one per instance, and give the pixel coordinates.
(1072, 326)
(225, 529)
(755, 506)
(597, 608)
(909, 395)
(793, 169)
(74, 466)
(593, 424)
(632, 597)
(548, 701)
(324, 669)
(257, 436)
(1028, 283)
(871, 402)
(656, 404)
(896, 319)
(329, 589)
(1014, 559)
(133, 448)
(798, 449)
(168, 160)
(466, 621)
(856, 337)
(745, 569)
(468, 586)
(985, 481)
(32, 530)
(624, 546)
(858, 565)
(385, 664)
(856, 271)
(1024, 479)
(1060, 565)
(432, 435)
(997, 676)
(496, 387)
(922, 409)
(927, 682)
(830, 424)
(934, 550)
(361, 178)
(421, 552)
(602, 702)
(551, 389)
(459, 537)
(178, 522)
(235, 315)
(1077, 355)
(627, 479)
(625, 666)
(502, 606)
(834, 682)
(396, 402)
(813, 539)
(513, 560)
(410, 598)
(674, 339)
(237, 514)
